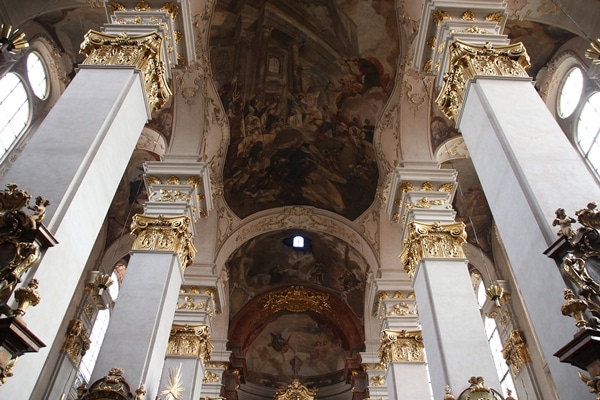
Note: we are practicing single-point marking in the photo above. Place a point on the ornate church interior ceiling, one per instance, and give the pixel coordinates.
(303, 84)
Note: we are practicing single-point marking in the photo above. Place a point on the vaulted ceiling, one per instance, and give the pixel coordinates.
(303, 86)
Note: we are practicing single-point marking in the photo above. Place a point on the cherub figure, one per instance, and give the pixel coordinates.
(564, 222)
(39, 211)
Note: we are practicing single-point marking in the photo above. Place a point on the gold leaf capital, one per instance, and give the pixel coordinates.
(467, 61)
(432, 241)
(401, 346)
(165, 233)
(142, 52)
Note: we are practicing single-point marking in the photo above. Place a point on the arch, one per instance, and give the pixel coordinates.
(253, 316)
(298, 217)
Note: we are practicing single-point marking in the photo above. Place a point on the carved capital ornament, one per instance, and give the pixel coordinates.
(401, 346)
(467, 61)
(515, 351)
(188, 340)
(432, 241)
(76, 342)
(165, 233)
(142, 52)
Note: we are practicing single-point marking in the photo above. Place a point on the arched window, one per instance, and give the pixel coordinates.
(588, 129)
(493, 336)
(88, 361)
(570, 92)
(14, 110)
(298, 242)
(36, 73)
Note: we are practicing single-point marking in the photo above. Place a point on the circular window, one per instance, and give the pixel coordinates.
(37, 75)
(570, 92)
(14, 110)
(588, 128)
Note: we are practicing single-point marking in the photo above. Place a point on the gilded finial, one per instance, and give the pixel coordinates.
(574, 308)
(27, 296)
(448, 393)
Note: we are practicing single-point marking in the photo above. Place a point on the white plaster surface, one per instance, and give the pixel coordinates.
(192, 373)
(528, 169)
(408, 380)
(138, 333)
(453, 332)
(76, 158)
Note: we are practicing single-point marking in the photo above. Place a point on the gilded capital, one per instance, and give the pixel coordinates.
(467, 61)
(190, 340)
(76, 341)
(515, 351)
(432, 241)
(165, 233)
(142, 52)
(401, 346)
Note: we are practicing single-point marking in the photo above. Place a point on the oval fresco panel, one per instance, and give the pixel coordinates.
(303, 86)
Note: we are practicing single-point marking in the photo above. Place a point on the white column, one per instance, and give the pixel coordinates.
(455, 339)
(138, 333)
(456, 345)
(76, 159)
(401, 348)
(528, 169)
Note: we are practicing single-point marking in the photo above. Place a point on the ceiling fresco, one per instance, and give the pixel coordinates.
(303, 84)
(296, 346)
(540, 40)
(269, 261)
(296, 312)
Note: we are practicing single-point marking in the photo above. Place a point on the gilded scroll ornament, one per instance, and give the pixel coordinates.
(580, 264)
(112, 386)
(401, 346)
(515, 351)
(295, 391)
(188, 340)
(76, 341)
(479, 391)
(297, 299)
(377, 380)
(142, 52)
(440, 16)
(114, 6)
(210, 377)
(164, 233)
(468, 16)
(432, 241)
(467, 61)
